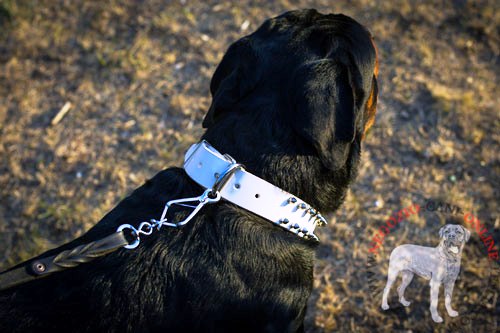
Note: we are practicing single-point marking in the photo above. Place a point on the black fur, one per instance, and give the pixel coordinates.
(290, 102)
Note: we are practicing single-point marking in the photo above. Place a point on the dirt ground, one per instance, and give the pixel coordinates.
(136, 75)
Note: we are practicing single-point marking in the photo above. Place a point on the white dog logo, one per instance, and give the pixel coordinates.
(439, 264)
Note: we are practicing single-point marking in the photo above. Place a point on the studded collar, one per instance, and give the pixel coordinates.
(212, 170)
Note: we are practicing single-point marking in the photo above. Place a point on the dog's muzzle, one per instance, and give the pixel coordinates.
(453, 245)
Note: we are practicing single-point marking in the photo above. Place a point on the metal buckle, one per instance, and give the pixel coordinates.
(224, 177)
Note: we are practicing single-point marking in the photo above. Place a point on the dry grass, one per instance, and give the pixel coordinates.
(137, 76)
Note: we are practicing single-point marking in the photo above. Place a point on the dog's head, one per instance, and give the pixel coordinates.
(303, 84)
(453, 237)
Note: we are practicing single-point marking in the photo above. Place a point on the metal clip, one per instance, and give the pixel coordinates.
(147, 228)
(205, 198)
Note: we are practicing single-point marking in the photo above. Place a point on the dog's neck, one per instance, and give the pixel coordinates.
(285, 161)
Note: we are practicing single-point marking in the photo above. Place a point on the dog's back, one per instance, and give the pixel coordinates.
(418, 259)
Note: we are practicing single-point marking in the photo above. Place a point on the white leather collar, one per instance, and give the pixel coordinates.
(210, 169)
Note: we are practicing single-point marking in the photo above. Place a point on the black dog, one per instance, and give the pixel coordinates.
(291, 102)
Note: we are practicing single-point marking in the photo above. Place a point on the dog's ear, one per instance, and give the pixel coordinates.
(233, 79)
(442, 230)
(371, 106)
(467, 233)
(324, 96)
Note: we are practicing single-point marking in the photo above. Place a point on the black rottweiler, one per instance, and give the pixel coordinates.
(292, 102)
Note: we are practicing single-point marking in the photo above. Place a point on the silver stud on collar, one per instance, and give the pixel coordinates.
(283, 221)
(312, 211)
(320, 220)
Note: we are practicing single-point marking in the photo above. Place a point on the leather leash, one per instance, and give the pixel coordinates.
(39, 268)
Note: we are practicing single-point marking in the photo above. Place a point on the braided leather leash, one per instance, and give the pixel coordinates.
(39, 268)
